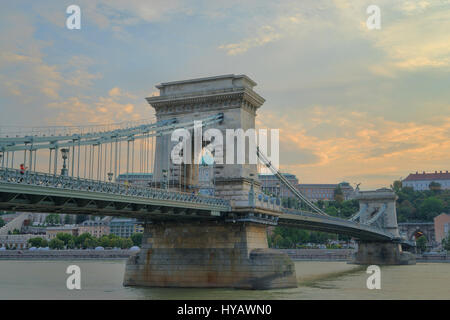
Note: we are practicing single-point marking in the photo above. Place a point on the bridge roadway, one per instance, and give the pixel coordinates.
(41, 192)
(316, 222)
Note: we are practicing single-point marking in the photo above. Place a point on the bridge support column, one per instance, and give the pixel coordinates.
(382, 253)
(208, 255)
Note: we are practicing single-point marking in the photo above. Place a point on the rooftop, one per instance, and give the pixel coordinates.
(428, 176)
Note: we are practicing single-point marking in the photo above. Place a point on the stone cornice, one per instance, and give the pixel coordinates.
(212, 100)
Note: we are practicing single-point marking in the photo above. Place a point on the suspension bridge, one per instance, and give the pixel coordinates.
(190, 239)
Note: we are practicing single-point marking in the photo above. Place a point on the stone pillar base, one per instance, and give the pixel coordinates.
(381, 253)
(209, 255)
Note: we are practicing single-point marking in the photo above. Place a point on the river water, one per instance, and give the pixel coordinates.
(317, 280)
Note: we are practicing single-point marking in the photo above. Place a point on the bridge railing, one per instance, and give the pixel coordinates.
(340, 220)
(14, 176)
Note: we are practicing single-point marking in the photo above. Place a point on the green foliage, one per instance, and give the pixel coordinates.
(64, 237)
(68, 219)
(71, 244)
(2, 222)
(421, 205)
(338, 194)
(137, 239)
(421, 243)
(56, 244)
(126, 243)
(396, 186)
(38, 242)
(86, 241)
(80, 218)
(52, 219)
(435, 186)
(343, 209)
(90, 243)
(430, 208)
(446, 243)
(284, 237)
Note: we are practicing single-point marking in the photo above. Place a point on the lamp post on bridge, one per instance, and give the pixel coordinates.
(64, 153)
(164, 184)
(251, 194)
(110, 176)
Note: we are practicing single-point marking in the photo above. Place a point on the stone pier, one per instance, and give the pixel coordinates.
(208, 255)
(382, 253)
(378, 208)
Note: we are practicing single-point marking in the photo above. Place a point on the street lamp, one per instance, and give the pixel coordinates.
(110, 176)
(251, 194)
(65, 154)
(164, 173)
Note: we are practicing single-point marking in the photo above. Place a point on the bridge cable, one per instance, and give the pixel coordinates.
(286, 182)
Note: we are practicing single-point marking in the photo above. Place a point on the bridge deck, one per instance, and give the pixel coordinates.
(39, 192)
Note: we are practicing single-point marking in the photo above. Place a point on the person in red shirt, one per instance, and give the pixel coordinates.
(22, 168)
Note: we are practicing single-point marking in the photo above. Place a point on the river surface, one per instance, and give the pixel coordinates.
(101, 279)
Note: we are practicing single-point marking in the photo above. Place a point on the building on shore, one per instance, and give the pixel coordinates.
(421, 181)
(122, 227)
(138, 228)
(271, 185)
(96, 228)
(442, 226)
(51, 232)
(325, 192)
(16, 241)
(415, 229)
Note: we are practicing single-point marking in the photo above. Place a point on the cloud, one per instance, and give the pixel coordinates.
(365, 146)
(266, 35)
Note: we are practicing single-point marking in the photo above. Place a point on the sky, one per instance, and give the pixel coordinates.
(352, 104)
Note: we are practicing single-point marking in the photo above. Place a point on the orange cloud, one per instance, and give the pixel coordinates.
(357, 146)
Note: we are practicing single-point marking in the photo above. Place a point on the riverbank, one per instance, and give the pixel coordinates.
(65, 254)
(294, 254)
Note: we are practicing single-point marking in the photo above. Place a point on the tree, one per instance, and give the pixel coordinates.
(137, 238)
(406, 211)
(126, 243)
(435, 186)
(64, 237)
(89, 243)
(338, 194)
(396, 185)
(446, 243)
(79, 241)
(37, 242)
(68, 219)
(430, 208)
(70, 244)
(52, 219)
(80, 218)
(321, 203)
(2, 222)
(56, 244)
(421, 243)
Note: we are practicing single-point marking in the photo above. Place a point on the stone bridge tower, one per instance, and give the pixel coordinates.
(377, 208)
(189, 100)
(231, 250)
